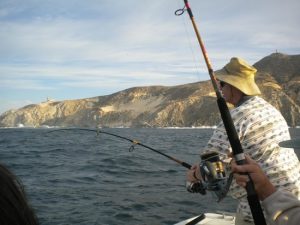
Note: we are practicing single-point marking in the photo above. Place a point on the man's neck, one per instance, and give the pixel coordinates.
(243, 99)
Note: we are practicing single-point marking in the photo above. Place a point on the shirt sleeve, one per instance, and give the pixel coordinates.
(282, 208)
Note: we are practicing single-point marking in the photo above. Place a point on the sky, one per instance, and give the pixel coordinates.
(71, 49)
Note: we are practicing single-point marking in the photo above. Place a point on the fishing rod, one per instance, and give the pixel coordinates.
(235, 143)
(212, 170)
(211, 167)
(135, 142)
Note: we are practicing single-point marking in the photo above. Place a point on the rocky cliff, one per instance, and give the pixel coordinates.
(160, 106)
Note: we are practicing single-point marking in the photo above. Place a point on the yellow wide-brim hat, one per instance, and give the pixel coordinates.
(240, 75)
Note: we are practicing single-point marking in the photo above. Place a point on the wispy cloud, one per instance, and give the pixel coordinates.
(25, 85)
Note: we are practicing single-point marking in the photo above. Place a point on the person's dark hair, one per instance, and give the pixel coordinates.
(14, 207)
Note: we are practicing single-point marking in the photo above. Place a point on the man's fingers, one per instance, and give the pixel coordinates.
(246, 168)
(194, 167)
(240, 177)
(249, 160)
(192, 175)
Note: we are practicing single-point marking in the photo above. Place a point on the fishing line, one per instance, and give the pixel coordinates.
(179, 12)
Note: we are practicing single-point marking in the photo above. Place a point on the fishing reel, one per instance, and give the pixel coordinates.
(214, 177)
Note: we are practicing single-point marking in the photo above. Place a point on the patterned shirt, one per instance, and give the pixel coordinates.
(260, 128)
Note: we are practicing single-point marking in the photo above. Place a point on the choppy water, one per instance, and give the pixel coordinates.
(76, 177)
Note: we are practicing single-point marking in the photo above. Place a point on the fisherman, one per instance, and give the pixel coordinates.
(281, 207)
(260, 128)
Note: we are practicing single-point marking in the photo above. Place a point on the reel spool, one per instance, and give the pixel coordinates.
(214, 176)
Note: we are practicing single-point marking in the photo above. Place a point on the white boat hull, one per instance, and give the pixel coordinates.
(210, 219)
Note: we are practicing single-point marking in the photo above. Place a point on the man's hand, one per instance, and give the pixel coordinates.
(193, 175)
(262, 185)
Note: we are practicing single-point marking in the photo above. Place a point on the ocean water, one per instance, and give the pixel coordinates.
(76, 177)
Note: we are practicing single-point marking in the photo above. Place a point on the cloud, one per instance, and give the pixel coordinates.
(22, 84)
(102, 46)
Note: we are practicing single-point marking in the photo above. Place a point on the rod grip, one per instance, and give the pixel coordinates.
(229, 127)
(256, 210)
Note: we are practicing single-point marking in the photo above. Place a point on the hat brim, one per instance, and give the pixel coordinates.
(248, 88)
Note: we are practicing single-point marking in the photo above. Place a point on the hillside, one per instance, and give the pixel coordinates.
(160, 106)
